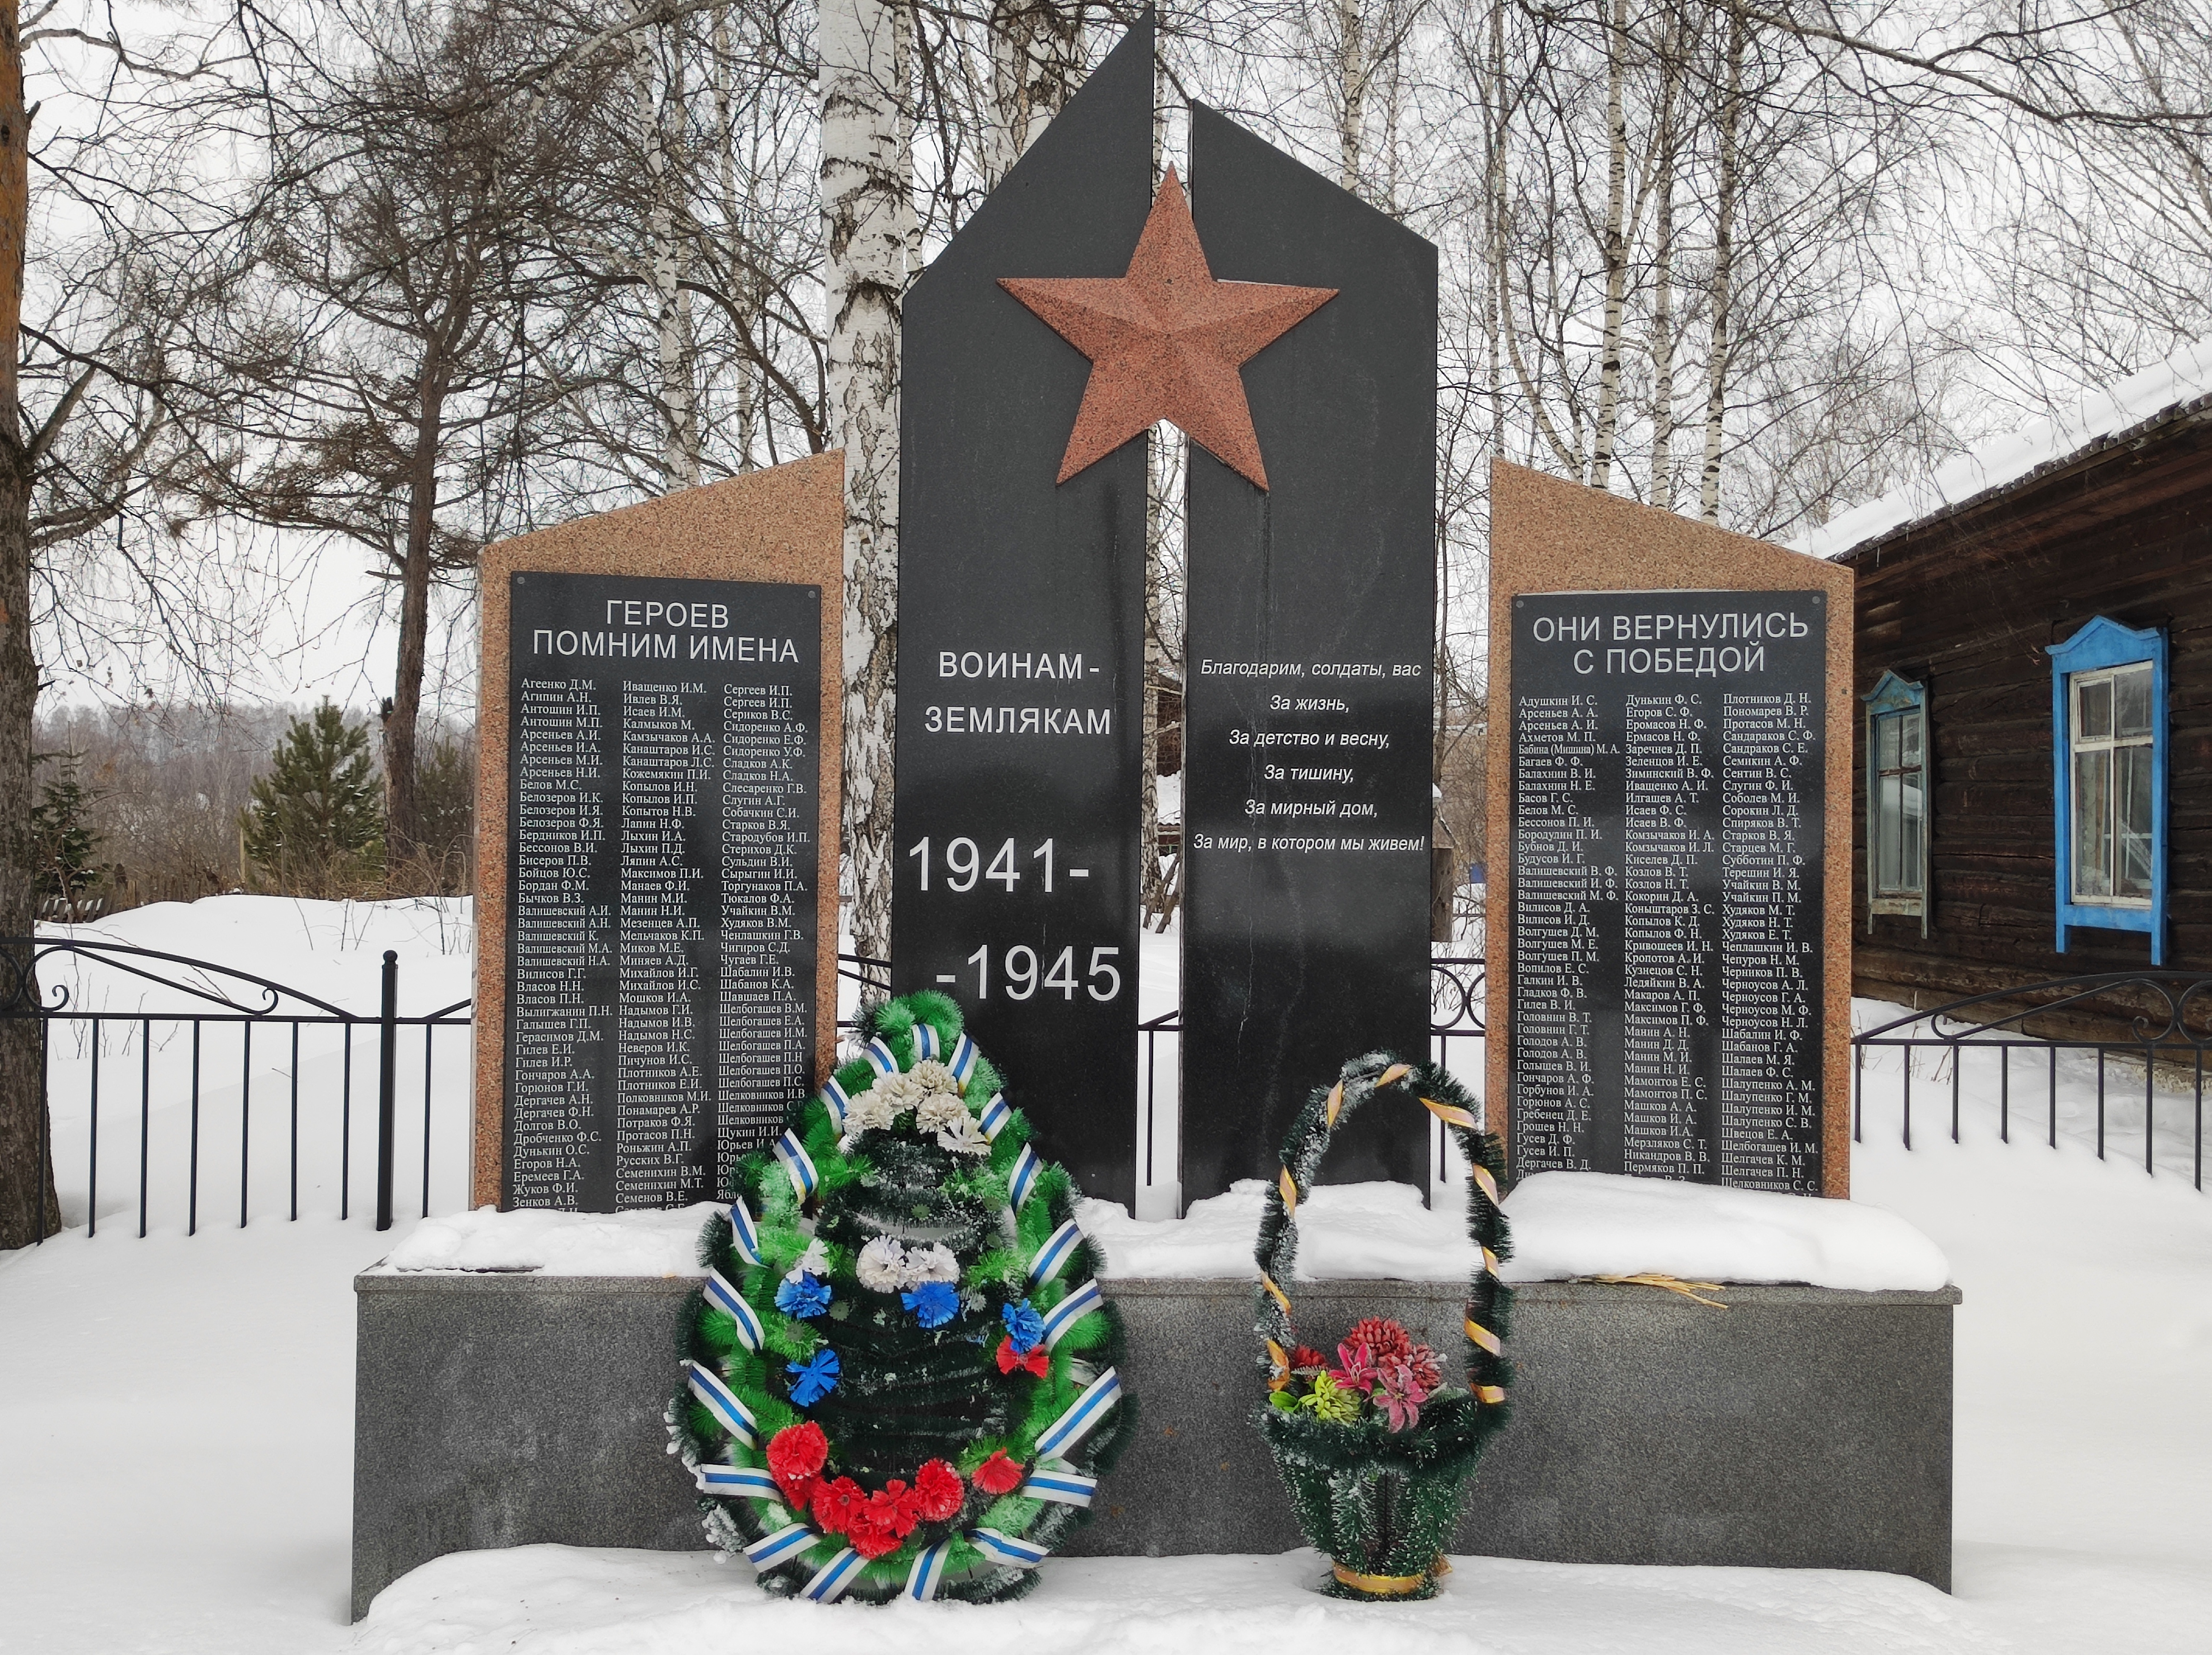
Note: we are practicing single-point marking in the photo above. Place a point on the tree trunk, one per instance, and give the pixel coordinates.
(1616, 247)
(402, 810)
(1351, 91)
(1036, 58)
(29, 1210)
(660, 111)
(737, 214)
(866, 201)
(1495, 296)
(1663, 274)
(1717, 363)
(1152, 887)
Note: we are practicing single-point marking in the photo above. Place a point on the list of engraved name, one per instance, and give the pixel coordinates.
(660, 968)
(1666, 886)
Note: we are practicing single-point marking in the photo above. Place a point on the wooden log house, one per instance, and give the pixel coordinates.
(2034, 783)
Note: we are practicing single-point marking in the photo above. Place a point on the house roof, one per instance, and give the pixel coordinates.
(2176, 390)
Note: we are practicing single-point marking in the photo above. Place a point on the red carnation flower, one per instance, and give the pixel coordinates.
(800, 1495)
(870, 1538)
(939, 1491)
(999, 1475)
(1037, 1361)
(797, 1453)
(838, 1505)
(897, 1509)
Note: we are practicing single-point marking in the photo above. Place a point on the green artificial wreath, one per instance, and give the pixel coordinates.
(900, 1371)
(1373, 1448)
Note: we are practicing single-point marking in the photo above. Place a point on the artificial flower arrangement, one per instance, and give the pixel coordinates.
(1374, 1446)
(1380, 1374)
(899, 1375)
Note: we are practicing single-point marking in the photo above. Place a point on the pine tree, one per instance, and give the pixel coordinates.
(445, 804)
(319, 811)
(62, 846)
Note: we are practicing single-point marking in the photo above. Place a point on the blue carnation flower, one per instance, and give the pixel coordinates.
(1024, 1327)
(934, 1303)
(807, 1297)
(813, 1378)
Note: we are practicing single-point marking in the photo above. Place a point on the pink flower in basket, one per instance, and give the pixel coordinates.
(1400, 1393)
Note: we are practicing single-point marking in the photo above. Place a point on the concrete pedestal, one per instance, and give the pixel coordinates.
(1801, 1428)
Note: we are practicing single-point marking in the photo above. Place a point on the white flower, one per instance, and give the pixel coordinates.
(882, 1265)
(815, 1261)
(874, 1110)
(932, 1076)
(938, 1109)
(934, 1263)
(963, 1137)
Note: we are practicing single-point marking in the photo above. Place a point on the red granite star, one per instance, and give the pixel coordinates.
(1165, 341)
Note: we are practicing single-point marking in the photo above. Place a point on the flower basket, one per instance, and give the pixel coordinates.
(1373, 1445)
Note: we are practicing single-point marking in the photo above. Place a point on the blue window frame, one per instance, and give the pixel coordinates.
(2108, 694)
(1897, 766)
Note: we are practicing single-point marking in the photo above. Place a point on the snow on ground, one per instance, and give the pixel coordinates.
(175, 1441)
(549, 1600)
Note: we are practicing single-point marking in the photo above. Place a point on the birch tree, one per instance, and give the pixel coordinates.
(868, 214)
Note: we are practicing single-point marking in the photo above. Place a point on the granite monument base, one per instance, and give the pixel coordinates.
(1801, 1428)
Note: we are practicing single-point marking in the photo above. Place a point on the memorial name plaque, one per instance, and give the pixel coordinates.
(655, 970)
(1669, 784)
(661, 898)
(1668, 772)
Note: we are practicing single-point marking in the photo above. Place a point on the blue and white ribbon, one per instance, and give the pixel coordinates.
(962, 1062)
(780, 1547)
(727, 1300)
(740, 1483)
(745, 1240)
(1023, 1177)
(995, 1115)
(1070, 1311)
(1059, 1247)
(722, 1403)
(1005, 1548)
(835, 1101)
(1057, 1483)
(884, 1059)
(926, 1043)
(796, 1162)
(928, 1574)
(831, 1580)
(1082, 1416)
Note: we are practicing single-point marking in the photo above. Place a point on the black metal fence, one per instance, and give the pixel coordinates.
(196, 996)
(204, 1012)
(1456, 992)
(2167, 1016)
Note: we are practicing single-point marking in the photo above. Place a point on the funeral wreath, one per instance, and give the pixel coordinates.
(899, 1375)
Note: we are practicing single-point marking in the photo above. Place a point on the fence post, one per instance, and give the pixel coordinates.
(387, 1064)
